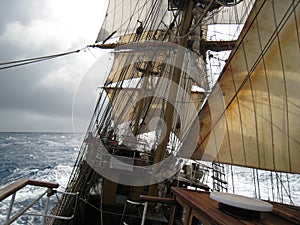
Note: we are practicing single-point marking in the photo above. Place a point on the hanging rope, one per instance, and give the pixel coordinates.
(258, 185)
(287, 191)
(254, 182)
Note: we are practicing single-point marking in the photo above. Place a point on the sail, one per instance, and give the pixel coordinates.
(126, 16)
(130, 62)
(125, 107)
(139, 80)
(259, 126)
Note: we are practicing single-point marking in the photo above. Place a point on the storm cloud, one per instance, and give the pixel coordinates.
(39, 97)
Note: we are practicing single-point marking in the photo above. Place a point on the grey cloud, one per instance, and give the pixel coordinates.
(36, 97)
(18, 86)
(18, 10)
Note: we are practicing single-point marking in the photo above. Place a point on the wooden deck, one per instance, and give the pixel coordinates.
(200, 207)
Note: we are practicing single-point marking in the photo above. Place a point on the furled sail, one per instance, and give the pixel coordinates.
(260, 124)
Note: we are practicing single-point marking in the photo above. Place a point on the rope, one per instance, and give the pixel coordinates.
(254, 183)
(11, 64)
(272, 185)
(107, 212)
(258, 185)
(278, 178)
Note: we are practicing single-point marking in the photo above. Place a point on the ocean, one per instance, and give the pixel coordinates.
(51, 156)
(39, 156)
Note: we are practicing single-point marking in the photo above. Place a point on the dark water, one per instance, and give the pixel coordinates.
(40, 156)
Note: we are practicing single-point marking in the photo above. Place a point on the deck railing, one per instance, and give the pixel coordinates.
(13, 188)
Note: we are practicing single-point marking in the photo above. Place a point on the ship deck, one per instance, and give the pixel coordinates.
(199, 207)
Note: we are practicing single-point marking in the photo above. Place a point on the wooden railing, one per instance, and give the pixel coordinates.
(155, 199)
(19, 184)
(13, 188)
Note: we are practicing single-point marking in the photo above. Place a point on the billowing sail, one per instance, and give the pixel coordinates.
(138, 83)
(260, 124)
(131, 61)
(127, 16)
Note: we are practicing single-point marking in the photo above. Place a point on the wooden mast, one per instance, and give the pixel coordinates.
(161, 149)
(140, 106)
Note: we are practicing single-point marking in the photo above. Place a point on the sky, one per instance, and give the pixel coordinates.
(39, 97)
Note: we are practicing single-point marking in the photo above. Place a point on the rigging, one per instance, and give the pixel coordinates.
(16, 63)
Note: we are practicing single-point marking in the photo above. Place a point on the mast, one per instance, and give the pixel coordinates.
(140, 106)
(162, 147)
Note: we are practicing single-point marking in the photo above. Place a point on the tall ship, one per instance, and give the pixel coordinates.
(194, 85)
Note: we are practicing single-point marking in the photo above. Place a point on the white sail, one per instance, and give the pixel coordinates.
(260, 82)
(125, 104)
(123, 15)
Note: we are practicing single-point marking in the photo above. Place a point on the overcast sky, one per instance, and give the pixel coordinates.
(39, 97)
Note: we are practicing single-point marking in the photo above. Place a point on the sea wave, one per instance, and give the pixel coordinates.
(39, 156)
